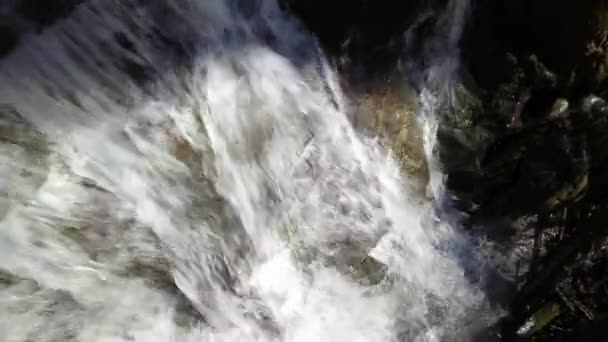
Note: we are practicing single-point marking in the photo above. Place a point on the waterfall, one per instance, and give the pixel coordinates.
(438, 79)
(186, 171)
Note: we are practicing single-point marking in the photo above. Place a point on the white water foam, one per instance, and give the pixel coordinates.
(220, 194)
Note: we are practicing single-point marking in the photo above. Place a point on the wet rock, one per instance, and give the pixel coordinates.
(7, 279)
(389, 109)
(542, 156)
(16, 130)
(592, 124)
(516, 152)
(559, 109)
(24, 159)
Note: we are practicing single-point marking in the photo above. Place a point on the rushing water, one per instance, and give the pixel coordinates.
(186, 171)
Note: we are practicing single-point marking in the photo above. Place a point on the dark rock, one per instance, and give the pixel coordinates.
(367, 31)
(592, 124)
(139, 73)
(9, 39)
(542, 155)
(20, 17)
(517, 150)
(44, 13)
(570, 39)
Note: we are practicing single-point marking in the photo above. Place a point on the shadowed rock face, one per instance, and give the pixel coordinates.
(8, 39)
(18, 17)
(44, 13)
(532, 145)
(369, 32)
(566, 37)
(529, 143)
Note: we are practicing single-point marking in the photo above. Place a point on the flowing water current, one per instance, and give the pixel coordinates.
(186, 171)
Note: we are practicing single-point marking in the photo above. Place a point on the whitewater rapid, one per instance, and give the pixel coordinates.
(186, 171)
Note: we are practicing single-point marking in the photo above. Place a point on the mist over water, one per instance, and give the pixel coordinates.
(186, 171)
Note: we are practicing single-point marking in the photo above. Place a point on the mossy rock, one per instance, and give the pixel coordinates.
(8, 279)
(389, 109)
(14, 129)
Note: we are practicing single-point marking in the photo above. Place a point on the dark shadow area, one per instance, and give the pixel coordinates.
(361, 27)
(44, 13)
(9, 39)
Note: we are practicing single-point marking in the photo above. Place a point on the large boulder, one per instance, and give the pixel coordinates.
(44, 13)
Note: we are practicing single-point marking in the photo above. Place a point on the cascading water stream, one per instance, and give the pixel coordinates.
(183, 172)
(440, 78)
